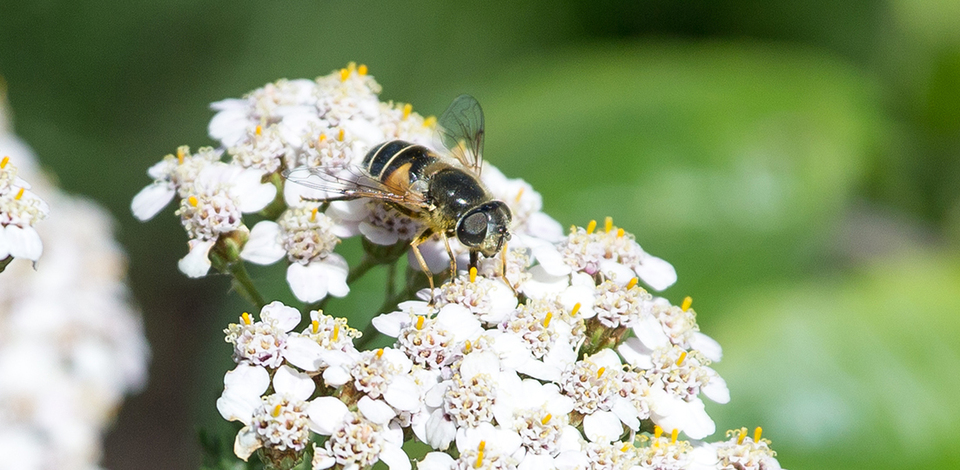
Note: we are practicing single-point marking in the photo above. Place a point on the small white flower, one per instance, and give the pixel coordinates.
(174, 175)
(20, 209)
(535, 340)
(742, 452)
(614, 253)
(358, 439)
(263, 343)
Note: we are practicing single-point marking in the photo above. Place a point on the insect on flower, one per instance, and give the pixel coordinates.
(443, 192)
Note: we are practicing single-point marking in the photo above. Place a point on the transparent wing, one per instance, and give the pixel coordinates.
(339, 184)
(461, 131)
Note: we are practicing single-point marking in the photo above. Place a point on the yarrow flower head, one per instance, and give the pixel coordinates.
(20, 209)
(541, 350)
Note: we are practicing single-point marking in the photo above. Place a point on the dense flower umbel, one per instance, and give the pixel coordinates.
(20, 209)
(553, 354)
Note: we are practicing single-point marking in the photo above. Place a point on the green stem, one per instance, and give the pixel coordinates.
(4, 262)
(244, 285)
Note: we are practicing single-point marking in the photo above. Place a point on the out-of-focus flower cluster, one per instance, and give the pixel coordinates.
(71, 344)
(553, 355)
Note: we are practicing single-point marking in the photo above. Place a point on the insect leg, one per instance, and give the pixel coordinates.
(453, 258)
(474, 259)
(423, 236)
(503, 269)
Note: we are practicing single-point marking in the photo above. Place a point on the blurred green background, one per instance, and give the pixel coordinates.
(798, 162)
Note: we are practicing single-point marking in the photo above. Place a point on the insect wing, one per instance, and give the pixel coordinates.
(339, 184)
(461, 131)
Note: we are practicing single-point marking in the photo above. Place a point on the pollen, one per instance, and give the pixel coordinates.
(246, 318)
(407, 109)
(316, 326)
(340, 135)
(193, 201)
(3, 163)
(657, 432)
(608, 224)
(519, 194)
(683, 356)
(322, 138)
(336, 332)
(687, 302)
(313, 214)
(600, 372)
(419, 322)
(344, 75)
(180, 155)
(362, 69)
(467, 347)
(352, 66)
(546, 319)
(742, 436)
(546, 419)
(379, 353)
(473, 274)
(483, 445)
(19, 194)
(276, 411)
(620, 233)
(576, 308)
(673, 436)
(430, 121)
(632, 283)
(591, 227)
(757, 433)
(259, 130)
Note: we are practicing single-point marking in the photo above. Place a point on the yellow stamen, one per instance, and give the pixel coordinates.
(546, 319)
(742, 436)
(673, 436)
(3, 163)
(362, 70)
(407, 109)
(344, 75)
(336, 331)
(546, 419)
(608, 224)
(757, 433)
(340, 136)
(193, 201)
(625, 447)
(573, 229)
(683, 356)
(483, 445)
(322, 138)
(430, 121)
(657, 432)
(632, 283)
(519, 194)
(467, 347)
(276, 411)
(687, 302)
(246, 318)
(19, 194)
(316, 326)
(600, 372)
(180, 155)
(259, 130)
(351, 66)
(473, 274)
(591, 227)
(419, 322)
(379, 353)
(576, 308)
(313, 214)
(620, 233)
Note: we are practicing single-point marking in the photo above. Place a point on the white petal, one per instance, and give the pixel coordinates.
(321, 459)
(197, 262)
(307, 282)
(543, 226)
(391, 323)
(337, 271)
(326, 414)
(537, 462)
(602, 427)
(716, 389)
(656, 272)
(542, 283)
(242, 388)
(246, 443)
(296, 385)
(379, 235)
(230, 124)
(336, 376)
(375, 410)
(283, 317)
(627, 413)
(263, 246)
(23, 242)
(617, 272)
(650, 332)
(403, 393)
(440, 430)
(707, 345)
(151, 200)
(395, 457)
(459, 321)
(303, 352)
(606, 358)
(436, 461)
(252, 195)
(635, 353)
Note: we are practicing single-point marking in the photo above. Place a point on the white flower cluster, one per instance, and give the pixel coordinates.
(550, 355)
(20, 209)
(71, 344)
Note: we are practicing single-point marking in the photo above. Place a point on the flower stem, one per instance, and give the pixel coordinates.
(4, 262)
(244, 285)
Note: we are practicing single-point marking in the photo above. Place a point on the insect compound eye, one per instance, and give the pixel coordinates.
(473, 229)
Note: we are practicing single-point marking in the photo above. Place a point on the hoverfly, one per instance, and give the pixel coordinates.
(443, 192)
